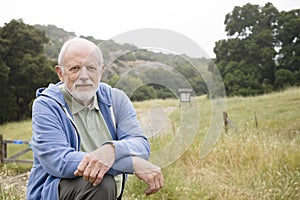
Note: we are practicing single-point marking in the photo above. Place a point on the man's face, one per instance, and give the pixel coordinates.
(81, 72)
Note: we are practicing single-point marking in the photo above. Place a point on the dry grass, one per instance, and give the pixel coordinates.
(251, 163)
(13, 181)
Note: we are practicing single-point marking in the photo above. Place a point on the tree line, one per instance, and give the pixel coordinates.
(23, 68)
(262, 52)
(260, 55)
(28, 56)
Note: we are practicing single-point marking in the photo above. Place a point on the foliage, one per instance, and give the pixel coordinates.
(261, 54)
(144, 93)
(262, 41)
(24, 68)
(57, 36)
(29, 53)
(289, 37)
(120, 59)
(161, 73)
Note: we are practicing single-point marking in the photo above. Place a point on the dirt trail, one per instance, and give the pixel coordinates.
(155, 120)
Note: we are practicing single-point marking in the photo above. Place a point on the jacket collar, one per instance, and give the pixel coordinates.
(104, 94)
(53, 92)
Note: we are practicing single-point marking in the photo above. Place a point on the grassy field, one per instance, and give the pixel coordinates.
(255, 161)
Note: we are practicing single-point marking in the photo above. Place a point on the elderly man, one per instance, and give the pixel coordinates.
(85, 133)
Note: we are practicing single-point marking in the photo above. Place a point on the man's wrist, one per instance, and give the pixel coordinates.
(110, 143)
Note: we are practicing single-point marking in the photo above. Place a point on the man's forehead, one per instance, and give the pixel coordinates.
(81, 61)
(82, 56)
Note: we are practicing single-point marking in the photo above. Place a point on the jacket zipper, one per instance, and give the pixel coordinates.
(75, 127)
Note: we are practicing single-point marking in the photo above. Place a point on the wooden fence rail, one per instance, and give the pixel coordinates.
(13, 158)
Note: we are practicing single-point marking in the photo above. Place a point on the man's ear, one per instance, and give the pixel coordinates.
(59, 73)
(102, 70)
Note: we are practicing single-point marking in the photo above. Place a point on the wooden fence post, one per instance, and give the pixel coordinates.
(225, 115)
(256, 122)
(1, 149)
(227, 122)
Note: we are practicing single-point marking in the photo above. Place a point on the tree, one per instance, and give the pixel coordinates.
(144, 92)
(7, 100)
(284, 78)
(242, 20)
(289, 38)
(247, 59)
(25, 65)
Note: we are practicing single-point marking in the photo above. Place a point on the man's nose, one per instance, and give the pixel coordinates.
(84, 74)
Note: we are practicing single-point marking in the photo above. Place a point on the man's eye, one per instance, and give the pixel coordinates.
(74, 69)
(91, 68)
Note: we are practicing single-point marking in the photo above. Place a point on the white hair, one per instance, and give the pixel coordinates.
(67, 44)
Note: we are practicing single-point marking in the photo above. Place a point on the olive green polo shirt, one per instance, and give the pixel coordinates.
(91, 125)
(92, 128)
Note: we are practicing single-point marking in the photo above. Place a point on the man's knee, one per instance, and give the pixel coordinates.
(82, 190)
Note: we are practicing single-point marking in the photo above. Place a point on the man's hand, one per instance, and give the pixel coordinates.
(149, 173)
(96, 163)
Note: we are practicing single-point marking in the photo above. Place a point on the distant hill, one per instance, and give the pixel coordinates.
(57, 37)
(122, 59)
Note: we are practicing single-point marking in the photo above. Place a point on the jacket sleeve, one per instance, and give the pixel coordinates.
(53, 141)
(131, 140)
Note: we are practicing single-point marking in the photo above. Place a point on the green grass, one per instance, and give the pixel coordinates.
(17, 131)
(252, 162)
(260, 162)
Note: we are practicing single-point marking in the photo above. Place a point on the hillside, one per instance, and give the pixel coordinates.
(29, 56)
(128, 60)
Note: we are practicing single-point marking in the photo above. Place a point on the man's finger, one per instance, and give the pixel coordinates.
(151, 188)
(93, 175)
(102, 171)
(76, 173)
(81, 167)
(155, 182)
(87, 171)
(99, 178)
(161, 180)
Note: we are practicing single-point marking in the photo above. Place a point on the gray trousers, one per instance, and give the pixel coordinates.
(79, 189)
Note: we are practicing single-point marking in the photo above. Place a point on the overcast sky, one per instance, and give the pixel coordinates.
(201, 21)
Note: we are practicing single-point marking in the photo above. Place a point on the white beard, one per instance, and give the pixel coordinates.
(84, 96)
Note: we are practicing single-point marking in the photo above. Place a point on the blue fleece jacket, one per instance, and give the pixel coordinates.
(56, 143)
